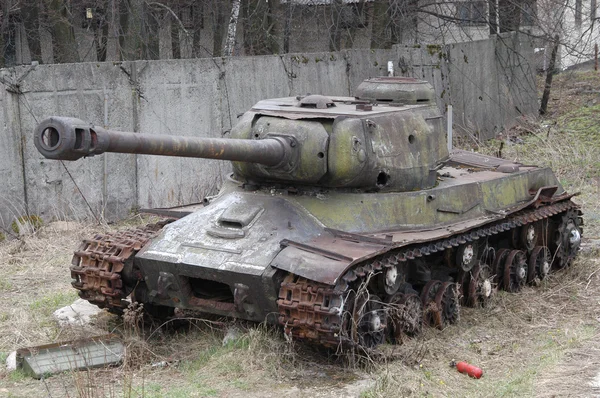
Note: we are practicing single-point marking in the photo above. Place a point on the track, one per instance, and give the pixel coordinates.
(364, 309)
(98, 265)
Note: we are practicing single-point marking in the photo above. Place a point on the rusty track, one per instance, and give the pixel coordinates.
(317, 312)
(97, 265)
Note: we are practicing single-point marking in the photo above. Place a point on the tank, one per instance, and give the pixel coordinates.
(345, 220)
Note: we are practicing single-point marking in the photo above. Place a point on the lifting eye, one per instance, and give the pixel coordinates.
(411, 139)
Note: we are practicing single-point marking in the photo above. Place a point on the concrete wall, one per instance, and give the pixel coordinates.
(486, 82)
(489, 83)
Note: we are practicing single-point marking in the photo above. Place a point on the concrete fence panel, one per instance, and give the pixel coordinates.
(85, 188)
(178, 97)
(12, 188)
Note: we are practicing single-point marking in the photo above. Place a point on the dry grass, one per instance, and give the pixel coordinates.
(33, 283)
(567, 140)
(520, 342)
(182, 360)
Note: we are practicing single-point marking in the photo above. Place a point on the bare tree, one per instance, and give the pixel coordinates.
(380, 38)
(60, 19)
(259, 27)
(150, 29)
(30, 12)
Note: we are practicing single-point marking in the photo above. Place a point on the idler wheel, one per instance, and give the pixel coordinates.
(540, 263)
(405, 315)
(431, 311)
(498, 266)
(446, 299)
(568, 238)
(515, 271)
(368, 320)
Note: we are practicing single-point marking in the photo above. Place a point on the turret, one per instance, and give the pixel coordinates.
(393, 143)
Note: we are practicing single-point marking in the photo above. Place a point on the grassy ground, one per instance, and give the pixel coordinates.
(523, 342)
(541, 342)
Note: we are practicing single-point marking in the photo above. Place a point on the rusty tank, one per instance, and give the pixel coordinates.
(345, 220)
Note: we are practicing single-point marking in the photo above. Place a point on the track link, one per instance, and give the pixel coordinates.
(318, 312)
(98, 264)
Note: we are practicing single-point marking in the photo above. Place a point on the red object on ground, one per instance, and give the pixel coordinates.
(469, 369)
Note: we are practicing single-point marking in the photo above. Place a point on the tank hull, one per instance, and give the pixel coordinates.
(229, 257)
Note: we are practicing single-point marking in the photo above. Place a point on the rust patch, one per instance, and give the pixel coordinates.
(98, 263)
(212, 304)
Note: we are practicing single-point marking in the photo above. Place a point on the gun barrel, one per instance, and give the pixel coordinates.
(71, 139)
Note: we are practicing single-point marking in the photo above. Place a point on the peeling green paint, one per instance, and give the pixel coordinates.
(454, 201)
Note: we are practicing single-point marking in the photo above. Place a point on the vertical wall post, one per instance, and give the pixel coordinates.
(105, 164)
(449, 128)
(135, 98)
